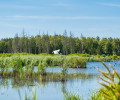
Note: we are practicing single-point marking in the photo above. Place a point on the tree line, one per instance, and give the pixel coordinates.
(67, 43)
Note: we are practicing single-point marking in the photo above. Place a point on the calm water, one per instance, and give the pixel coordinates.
(12, 89)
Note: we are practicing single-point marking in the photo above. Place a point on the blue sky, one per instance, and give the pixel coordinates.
(89, 17)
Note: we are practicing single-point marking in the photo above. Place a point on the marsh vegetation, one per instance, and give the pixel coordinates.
(23, 64)
(19, 71)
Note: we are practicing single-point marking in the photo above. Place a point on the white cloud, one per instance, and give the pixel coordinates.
(110, 4)
(64, 18)
(19, 7)
(41, 5)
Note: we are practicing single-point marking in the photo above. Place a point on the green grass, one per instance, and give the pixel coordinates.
(35, 60)
(20, 61)
(72, 97)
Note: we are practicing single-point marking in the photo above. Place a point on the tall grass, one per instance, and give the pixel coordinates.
(41, 67)
(72, 97)
(93, 59)
(76, 62)
(111, 84)
(34, 60)
(55, 60)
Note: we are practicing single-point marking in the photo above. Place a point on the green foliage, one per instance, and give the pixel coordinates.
(93, 58)
(11, 54)
(45, 44)
(103, 55)
(4, 64)
(111, 83)
(64, 70)
(82, 55)
(59, 60)
(5, 54)
(16, 64)
(49, 61)
(116, 46)
(114, 56)
(44, 54)
(76, 61)
(24, 64)
(27, 62)
(85, 55)
(72, 97)
(41, 67)
(23, 53)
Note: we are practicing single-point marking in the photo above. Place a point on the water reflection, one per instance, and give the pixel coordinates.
(15, 88)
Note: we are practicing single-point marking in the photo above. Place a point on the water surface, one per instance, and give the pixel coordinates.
(12, 89)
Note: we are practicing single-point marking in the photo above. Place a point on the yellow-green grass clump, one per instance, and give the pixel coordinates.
(111, 83)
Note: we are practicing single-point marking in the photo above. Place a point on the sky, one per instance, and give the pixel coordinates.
(89, 17)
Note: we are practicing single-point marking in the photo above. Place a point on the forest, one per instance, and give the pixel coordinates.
(67, 43)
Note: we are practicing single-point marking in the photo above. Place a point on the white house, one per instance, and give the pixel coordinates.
(56, 51)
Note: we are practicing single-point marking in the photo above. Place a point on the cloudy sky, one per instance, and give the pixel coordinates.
(89, 17)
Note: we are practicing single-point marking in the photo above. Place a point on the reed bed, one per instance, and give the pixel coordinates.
(93, 59)
(24, 64)
(16, 62)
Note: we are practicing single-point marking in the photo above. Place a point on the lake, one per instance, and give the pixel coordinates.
(13, 89)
